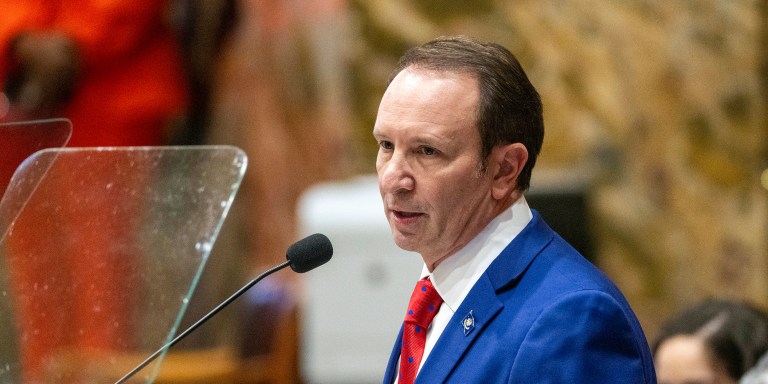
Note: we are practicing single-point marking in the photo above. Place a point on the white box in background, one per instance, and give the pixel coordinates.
(353, 306)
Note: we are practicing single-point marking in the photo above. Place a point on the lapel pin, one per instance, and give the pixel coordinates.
(468, 323)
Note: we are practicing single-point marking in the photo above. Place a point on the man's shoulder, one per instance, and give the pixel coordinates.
(550, 269)
(559, 269)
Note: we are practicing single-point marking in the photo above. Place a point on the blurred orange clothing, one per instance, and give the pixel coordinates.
(131, 79)
(130, 84)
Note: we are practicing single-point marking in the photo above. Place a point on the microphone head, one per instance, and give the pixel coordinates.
(309, 253)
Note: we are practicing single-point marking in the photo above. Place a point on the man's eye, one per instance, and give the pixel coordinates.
(386, 145)
(429, 151)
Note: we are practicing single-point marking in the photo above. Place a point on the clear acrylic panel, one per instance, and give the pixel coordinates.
(100, 250)
(19, 140)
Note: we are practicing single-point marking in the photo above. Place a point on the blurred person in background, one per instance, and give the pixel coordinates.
(113, 68)
(714, 342)
(278, 92)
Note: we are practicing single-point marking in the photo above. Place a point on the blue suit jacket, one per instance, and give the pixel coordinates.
(541, 314)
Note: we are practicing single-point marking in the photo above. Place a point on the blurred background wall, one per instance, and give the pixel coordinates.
(657, 107)
(655, 155)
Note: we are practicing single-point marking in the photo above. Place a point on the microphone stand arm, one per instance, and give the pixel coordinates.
(202, 320)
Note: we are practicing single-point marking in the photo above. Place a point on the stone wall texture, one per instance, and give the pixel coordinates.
(659, 106)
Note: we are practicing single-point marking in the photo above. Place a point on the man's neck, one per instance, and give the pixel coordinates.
(501, 206)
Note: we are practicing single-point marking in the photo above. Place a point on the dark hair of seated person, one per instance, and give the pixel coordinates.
(734, 332)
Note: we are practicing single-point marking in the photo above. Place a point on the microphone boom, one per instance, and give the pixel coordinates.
(303, 256)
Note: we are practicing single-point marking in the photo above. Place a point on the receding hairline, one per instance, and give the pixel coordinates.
(456, 69)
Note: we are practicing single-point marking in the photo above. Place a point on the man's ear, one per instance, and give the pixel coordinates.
(508, 161)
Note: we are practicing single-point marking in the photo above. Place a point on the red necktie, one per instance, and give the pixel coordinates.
(424, 304)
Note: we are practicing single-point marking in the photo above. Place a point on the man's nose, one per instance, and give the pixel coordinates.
(396, 174)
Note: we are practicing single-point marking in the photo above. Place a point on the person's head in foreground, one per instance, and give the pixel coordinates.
(459, 130)
(714, 342)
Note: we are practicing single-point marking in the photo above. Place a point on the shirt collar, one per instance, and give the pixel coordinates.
(455, 276)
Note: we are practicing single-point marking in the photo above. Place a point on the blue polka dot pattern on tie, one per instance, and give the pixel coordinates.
(423, 306)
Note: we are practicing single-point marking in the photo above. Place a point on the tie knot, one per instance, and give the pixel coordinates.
(424, 304)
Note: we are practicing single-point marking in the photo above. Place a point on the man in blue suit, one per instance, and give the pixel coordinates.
(459, 129)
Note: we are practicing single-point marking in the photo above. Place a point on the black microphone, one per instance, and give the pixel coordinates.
(303, 256)
(309, 253)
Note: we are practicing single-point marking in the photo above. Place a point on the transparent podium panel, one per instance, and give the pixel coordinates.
(100, 251)
(21, 139)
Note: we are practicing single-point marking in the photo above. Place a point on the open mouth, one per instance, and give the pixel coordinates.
(406, 215)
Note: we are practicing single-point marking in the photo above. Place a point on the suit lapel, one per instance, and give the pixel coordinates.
(520, 253)
(458, 336)
(483, 303)
(393, 367)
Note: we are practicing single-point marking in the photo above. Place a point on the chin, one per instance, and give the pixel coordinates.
(406, 243)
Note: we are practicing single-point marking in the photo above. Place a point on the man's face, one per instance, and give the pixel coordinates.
(435, 196)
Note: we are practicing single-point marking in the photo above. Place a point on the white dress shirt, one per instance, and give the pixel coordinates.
(455, 276)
